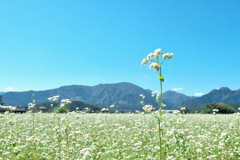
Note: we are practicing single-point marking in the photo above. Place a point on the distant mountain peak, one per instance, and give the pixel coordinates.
(220, 89)
(224, 89)
(170, 91)
(214, 90)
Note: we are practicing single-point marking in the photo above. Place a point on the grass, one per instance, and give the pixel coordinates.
(118, 136)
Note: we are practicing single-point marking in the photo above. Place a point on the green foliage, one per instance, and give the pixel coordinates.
(48, 106)
(206, 111)
(223, 108)
(185, 111)
(62, 110)
(82, 106)
(161, 78)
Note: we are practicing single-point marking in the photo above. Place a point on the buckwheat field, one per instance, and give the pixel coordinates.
(78, 136)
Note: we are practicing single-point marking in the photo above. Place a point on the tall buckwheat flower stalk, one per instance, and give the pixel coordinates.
(31, 107)
(157, 58)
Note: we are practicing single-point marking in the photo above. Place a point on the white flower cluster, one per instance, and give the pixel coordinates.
(154, 93)
(137, 111)
(31, 105)
(11, 108)
(156, 65)
(168, 56)
(163, 105)
(64, 102)
(142, 102)
(54, 98)
(183, 108)
(215, 110)
(141, 95)
(158, 97)
(104, 110)
(111, 106)
(148, 108)
(176, 112)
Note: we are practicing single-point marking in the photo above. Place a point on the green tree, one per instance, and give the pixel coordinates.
(223, 108)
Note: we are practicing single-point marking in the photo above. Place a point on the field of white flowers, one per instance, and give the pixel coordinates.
(78, 136)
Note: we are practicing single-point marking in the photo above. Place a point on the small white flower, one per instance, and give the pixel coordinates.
(155, 66)
(176, 112)
(154, 93)
(104, 109)
(170, 158)
(141, 95)
(149, 57)
(148, 108)
(31, 105)
(54, 98)
(144, 62)
(157, 53)
(158, 97)
(66, 101)
(183, 108)
(111, 106)
(168, 56)
(137, 111)
(199, 150)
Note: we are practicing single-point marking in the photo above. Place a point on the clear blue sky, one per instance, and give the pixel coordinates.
(47, 44)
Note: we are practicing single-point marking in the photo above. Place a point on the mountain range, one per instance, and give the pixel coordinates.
(222, 95)
(125, 96)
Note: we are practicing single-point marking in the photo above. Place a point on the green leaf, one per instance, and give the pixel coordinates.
(161, 78)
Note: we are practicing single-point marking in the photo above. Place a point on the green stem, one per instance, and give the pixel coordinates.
(160, 115)
(160, 102)
(159, 134)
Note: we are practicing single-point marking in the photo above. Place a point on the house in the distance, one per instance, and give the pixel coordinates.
(14, 109)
